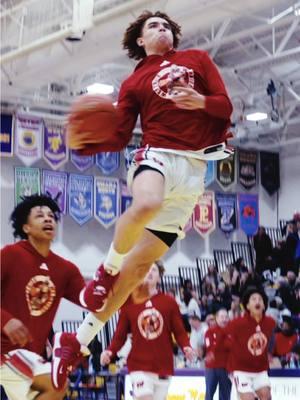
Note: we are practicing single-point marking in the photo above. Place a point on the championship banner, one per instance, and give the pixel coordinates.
(204, 221)
(81, 162)
(81, 198)
(248, 213)
(226, 212)
(107, 197)
(226, 172)
(27, 182)
(247, 168)
(6, 142)
(126, 197)
(270, 171)
(210, 173)
(55, 183)
(28, 139)
(55, 150)
(108, 162)
(129, 152)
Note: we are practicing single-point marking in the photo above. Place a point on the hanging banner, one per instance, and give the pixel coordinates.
(55, 150)
(210, 173)
(126, 197)
(129, 152)
(81, 198)
(226, 172)
(6, 135)
(108, 162)
(107, 197)
(55, 183)
(204, 221)
(27, 182)
(247, 168)
(81, 162)
(248, 213)
(226, 212)
(28, 139)
(270, 171)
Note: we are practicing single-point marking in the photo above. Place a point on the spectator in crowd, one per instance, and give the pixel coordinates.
(223, 297)
(290, 246)
(235, 309)
(272, 310)
(286, 341)
(198, 329)
(216, 360)
(263, 250)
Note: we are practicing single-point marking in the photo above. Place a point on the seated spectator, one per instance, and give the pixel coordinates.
(235, 309)
(272, 310)
(223, 297)
(285, 342)
(263, 250)
(198, 330)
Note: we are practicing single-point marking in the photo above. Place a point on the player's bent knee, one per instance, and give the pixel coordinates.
(146, 208)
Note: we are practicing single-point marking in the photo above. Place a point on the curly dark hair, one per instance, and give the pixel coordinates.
(135, 29)
(20, 214)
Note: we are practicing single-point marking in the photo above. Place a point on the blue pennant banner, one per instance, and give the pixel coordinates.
(81, 197)
(248, 213)
(108, 162)
(107, 199)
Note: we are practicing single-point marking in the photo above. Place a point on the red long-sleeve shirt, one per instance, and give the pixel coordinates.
(164, 125)
(31, 289)
(151, 324)
(220, 359)
(250, 342)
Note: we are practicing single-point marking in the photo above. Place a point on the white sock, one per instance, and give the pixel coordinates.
(113, 261)
(88, 329)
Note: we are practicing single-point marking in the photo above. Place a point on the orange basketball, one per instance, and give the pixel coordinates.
(92, 121)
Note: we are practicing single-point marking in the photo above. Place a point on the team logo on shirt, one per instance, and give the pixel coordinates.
(40, 293)
(150, 323)
(257, 343)
(167, 77)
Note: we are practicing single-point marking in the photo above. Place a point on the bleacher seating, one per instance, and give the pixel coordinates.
(223, 258)
(243, 250)
(193, 274)
(170, 282)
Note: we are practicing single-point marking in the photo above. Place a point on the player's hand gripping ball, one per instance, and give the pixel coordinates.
(92, 121)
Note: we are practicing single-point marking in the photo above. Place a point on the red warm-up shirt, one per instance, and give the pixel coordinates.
(212, 336)
(250, 342)
(31, 289)
(151, 324)
(284, 344)
(164, 125)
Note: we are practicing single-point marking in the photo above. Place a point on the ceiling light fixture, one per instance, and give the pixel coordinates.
(256, 116)
(100, 88)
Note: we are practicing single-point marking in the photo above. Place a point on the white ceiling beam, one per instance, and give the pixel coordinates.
(42, 42)
(221, 32)
(287, 36)
(246, 33)
(266, 60)
(260, 45)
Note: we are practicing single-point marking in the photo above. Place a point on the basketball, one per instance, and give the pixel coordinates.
(92, 121)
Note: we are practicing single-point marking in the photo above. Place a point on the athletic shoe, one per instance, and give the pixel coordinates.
(94, 295)
(67, 354)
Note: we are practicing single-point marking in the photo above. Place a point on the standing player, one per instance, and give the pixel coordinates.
(151, 317)
(33, 281)
(251, 337)
(185, 114)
